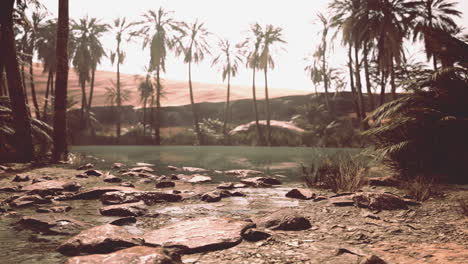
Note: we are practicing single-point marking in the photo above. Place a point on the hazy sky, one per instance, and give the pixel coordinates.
(225, 19)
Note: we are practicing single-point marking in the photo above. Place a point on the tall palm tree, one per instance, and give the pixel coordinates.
(272, 36)
(122, 30)
(228, 59)
(21, 115)
(193, 46)
(157, 29)
(60, 150)
(145, 88)
(252, 45)
(46, 44)
(437, 14)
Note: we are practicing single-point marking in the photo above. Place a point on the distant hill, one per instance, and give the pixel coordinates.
(176, 92)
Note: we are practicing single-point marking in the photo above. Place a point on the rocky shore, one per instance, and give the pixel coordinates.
(145, 214)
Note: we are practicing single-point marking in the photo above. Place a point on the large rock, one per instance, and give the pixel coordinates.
(200, 179)
(379, 201)
(243, 173)
(133, 255)
(148, 197)
(199, 235)
(27, 200)
(129, 209)
(51, 187)
(261, 181)
(284, 219)
(302, 194)
(99, 240)
(94, 193)
(51, 224)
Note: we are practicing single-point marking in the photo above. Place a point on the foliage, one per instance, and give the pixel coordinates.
(420, 188)
(423, 133)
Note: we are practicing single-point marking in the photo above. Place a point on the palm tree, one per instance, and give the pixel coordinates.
(157, 32)
(145, 88)
(60, 150)
(228, 59)
(122, 30)
(20, 113)
(434, 14)
(252, 44)
(114, 95)
(193, 46)
(272, 36)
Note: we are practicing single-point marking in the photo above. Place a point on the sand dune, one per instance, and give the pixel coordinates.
(176, 92)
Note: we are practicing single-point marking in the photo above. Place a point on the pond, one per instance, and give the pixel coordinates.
(271, 160)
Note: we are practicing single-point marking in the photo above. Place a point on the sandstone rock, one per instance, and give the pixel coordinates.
(93, 173)
(320, 198)
(51, 224)
(11, 188)
(21, 178)
(54, 209)
(87, 166)
(117, 165)
(199, 235)
(302, 194)
(192, 169)
(284, 219)
(226, 186)
(99, 240)
(27, 200)
(127, 184)
(82, 176)
(143, 169)
(200, 179)
(260, 181)
(128, 209)
(346, 200)
(51, 187)
(111, 178)
(239, 185)
(93, 193)
(41, 179)
(379, 201)
(165, 184)
(143, 164)
(6, 169)
(173, 168)
(255, 235)
(124, 221)
(133, 255)
(243, 173)
(373, 259)
(120, 197)
(211, 197)
(142, 174)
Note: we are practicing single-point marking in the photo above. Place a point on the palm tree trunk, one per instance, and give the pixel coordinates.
(361, 102)
(52, 83)
(226, 110)
(382, 88)
(267, 101)
(158, 108)
(91, 89)
(194, 110)
(21, 115)
(257, 123)
(392, 80)
(119, 99)
(368, 82)
(353, 88)
(46, 97)
(33, 89)
(84, 105)
(152, 120)
(60, 101)
(23, 80)
(144, 115)
(2, 84)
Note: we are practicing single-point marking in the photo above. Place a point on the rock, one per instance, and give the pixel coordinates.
(384, 181)
(117, 165)
(133, 255)
(51, 224)
(145, 181)
(6, 169)
(93, 193)
(127, 184)
(28, 200)
(320, 198)
(173, 168)
(142, 169)
(373, 259)
(87, 166)
(254, 235)
(284, 219)
(124, 221)
(200, 179)
(93, 173)
(99, 240)
(11, 188)
(83, 176)
(346, 200)
(142, 174)
(379, 201)
(239, 185)
(243, 173)
(128, 209)
(111, 178)
(226, 186)
(199, 235)
(211, 197)
(41, 179)
(174, 177)
(51, 187)
(120, 197)
(192, 169)
(302, 194)
(411, 202)
(237, 194)
(165, 184)
(21, 178)
(54, 209)
(260, 181)
(142, 164)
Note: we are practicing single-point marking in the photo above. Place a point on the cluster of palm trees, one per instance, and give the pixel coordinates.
(375, 33)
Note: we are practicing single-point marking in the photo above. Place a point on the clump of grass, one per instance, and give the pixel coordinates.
(420, 188)
(343, 174)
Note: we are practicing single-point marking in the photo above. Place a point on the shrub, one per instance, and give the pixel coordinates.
(420, 188)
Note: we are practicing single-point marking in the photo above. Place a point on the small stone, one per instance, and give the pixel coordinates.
(142, 169)
(93, 173)
(165, 184)
(379, 201)
(117, 165)
(239, 185)
(320, 198)
(301, 194)
(129, 209)
(174, 177)
(87, 166)
(21, 178)
(211, 197)
(124, 221)
(254, 235)
(192, 169)
(127, 184)
(55, 209)
(173, 168)
(111, 178)
(284, 219)
(373, 259)
(226, 186)
(200, 179)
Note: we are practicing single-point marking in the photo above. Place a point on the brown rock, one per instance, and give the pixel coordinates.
(255, 235)
(165, 184)
(133, 255)
(117, 165)
(54, 209)
(11, 188)
(129, 209)
(86, 166)
(373, 259)
(51, 187)
(199, 235)
(284, 219)
(243, 173)
(261, 181)
(27, 200)
(200, 179)
(111, 178)
(192, 169)
(143, 169)
(121, 197)
(124, 221)
(302, 194)
(211, 197)
(51, 224)
(93, 173)
(99, 240)
(135, 174)
(226, 186)
(173, 168)
(379, 201)
(21, 178)
(93, 193)
(127, 184)
(346, 200)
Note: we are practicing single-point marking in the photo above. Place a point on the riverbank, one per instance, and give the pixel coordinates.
(208, 222)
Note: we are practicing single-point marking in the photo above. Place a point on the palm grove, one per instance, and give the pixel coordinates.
(410, 131)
